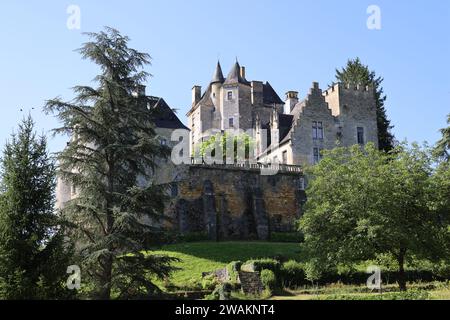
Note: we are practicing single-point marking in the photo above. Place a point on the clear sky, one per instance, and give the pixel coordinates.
(289, 43)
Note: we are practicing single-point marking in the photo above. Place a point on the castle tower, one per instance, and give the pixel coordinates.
(216, 85)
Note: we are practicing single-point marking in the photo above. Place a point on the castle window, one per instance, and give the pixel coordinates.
(230, 95)
(360, 135)
(317, 130)
(231, 122)
(163, 142)
(317, 155)
(320, 130)
(284, 157)
(314, 130)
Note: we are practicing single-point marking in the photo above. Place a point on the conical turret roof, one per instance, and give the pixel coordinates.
(218, 75)
(235, 75)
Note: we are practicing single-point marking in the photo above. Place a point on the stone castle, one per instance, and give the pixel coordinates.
(290, 132)
(238, 201)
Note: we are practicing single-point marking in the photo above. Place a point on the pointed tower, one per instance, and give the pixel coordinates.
(216, 85)
(236, 75)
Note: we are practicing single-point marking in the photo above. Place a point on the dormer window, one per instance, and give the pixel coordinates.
(230, 95)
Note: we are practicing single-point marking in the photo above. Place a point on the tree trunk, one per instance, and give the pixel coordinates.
(401, 269)
(106, 283)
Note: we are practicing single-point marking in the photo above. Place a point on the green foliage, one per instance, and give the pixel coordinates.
(221, 292)
(233, 268)
(113, 144)
(197, 258)
(210, 282)
(292, 274)
(356, 73)
(406, 295)
(33, 253)
(192, 237)
(364, 202)
(296, 237)
(442, 148)
(242, 146)
(261, 264)
(268, 279)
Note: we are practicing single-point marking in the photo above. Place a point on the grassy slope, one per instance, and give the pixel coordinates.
(201, 257)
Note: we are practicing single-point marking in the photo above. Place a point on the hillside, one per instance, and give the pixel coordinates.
(199, 257)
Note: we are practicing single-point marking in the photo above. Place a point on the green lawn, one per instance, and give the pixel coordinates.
(199, 257)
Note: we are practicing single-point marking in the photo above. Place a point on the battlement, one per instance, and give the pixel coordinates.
(345, 87)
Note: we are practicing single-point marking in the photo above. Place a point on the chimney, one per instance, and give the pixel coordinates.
(243, 72)
(291, 101)
(196, 94)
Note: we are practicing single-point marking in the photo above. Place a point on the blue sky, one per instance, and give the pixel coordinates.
(289, 43)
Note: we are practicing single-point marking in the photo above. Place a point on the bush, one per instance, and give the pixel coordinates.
(261, 264)
(289, 237)
(193, 285)
(221, 292)
(193, 237)
(408, 295)
(268, 279)
(233, 268)
(292, 274)
(210, 282)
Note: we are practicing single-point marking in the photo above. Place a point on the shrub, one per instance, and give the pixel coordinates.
(408, 295)
(292, 274)
(261, 264)
(221, 292)
(193, 237)
(268, 279)
(193, 285)
(210, 282)
(233, 268)
(290, 237)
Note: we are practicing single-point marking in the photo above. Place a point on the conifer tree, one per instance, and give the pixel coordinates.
(442, 148)
(356, 73)
(33, 253)
(113, 149)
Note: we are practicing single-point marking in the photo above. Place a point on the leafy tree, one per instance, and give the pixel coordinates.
(242, 146)
(33, 253)
(113, 147)
(356, 73)
(366, 203)
(442, 148)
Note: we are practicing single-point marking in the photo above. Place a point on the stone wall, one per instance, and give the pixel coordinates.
(229, 203)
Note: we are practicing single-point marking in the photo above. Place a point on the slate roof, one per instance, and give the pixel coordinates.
(285, 123)
(235, 76)
(218, 75)
(270, 96)
(165, 116)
